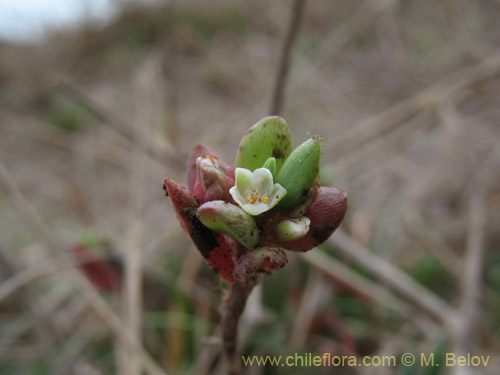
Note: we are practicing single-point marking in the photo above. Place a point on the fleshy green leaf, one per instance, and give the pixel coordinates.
(270, 137)
(229, 219)
(299, 173)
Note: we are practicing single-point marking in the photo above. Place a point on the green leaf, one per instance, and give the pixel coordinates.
(229, 219)
(270, 137)
(299, 173)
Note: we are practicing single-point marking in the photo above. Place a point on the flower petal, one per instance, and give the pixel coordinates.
(262, 181)
(255, 209)
(243, 181)
(238, 198)
(276, 195)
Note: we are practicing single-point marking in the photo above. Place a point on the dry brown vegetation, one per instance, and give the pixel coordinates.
(406, 95)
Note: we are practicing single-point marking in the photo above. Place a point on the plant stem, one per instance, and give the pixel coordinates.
(291, 34)
(234, 304)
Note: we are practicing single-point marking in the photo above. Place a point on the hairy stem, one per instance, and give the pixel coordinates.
(234, 304)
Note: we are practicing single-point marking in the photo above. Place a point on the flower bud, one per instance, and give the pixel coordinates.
(209, 178)
(213, 181)
(326, 215)
(191, 168)
(231, 220)
(299, 173)
(270, 137)
(291, 229)
(271, 165)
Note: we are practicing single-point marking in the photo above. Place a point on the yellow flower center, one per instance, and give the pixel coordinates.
(255, 198)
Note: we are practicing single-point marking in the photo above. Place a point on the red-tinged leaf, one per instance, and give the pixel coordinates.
(212, 245)
(326, 215)
(100, 272)
(198, 191)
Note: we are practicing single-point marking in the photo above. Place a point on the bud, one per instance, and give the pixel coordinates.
(270, 137)
(299, 173)
(291, 229)
(326, 215)
(231, 220)
(214, 182)
(191, 169)
(209, 178)
(271, 165)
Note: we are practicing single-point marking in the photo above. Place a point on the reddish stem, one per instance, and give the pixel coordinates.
(234, 304)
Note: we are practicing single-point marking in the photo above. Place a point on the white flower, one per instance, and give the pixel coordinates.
(255, 191)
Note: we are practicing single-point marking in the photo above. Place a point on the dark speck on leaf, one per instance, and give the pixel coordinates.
(305, 192)
(321, 234)
(277, 153)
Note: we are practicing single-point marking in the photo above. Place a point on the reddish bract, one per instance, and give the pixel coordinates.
(212, 245)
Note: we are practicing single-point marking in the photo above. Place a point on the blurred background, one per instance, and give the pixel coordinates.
(100, 100)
